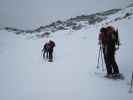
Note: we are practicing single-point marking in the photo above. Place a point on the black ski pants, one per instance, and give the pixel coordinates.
(110, 62)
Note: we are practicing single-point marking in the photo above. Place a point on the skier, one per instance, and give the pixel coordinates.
(108, 39)
(45, 51)
(51, 45)
(103, 36)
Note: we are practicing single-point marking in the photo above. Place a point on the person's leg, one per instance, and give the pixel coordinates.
(108, 60)
(114, 64)
(105, 58)
(44, 55)
(51, 55)
(108, 66)
(47, 54)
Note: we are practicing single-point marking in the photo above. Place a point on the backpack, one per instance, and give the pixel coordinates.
(113, 36)
(51, 44)
(103, 36)
(109, 36)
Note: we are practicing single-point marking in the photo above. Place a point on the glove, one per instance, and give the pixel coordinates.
(117, 47)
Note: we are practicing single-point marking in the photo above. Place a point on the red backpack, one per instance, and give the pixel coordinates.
(103, 36)
(51, 44)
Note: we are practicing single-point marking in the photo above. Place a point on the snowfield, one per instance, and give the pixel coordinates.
(24, 75)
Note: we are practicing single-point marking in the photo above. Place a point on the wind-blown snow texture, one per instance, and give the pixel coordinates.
(24, 75)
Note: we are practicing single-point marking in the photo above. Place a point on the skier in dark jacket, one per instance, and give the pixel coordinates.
(109, 39)
(103, 38)
(111, 49)
(51, 45)
(45, 51)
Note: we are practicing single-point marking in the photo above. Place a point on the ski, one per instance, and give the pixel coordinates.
(113, 77)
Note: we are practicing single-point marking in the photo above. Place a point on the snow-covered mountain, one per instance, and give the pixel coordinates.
(78, 22)
(73, 23)
(24, 75)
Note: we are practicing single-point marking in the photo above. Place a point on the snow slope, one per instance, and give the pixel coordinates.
(24, 75)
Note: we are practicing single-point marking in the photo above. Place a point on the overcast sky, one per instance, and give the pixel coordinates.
(28, 14)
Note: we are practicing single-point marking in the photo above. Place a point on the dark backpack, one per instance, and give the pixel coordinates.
(52, 43)
(113, 36)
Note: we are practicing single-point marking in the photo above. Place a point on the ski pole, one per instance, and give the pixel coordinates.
(130, 90)
(102, 59)
(98, 57)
